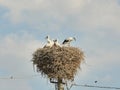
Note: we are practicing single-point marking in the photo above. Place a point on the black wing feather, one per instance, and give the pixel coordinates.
(65, 41)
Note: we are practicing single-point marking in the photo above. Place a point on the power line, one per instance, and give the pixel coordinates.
(19, 77)
(32, 76)
(106, 87)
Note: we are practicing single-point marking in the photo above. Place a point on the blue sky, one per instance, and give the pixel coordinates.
(25, 23)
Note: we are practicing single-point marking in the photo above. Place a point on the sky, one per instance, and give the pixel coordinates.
(25, 23)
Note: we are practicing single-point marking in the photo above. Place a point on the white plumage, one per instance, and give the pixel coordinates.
(68, 40)
(49, 42)
(56, 42)
(48, 39)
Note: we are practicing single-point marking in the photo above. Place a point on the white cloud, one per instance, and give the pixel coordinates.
(101, 48)
(77, 14)
(39, 8)
(15, 60)
(16, 53)
(98, 20)
(100, 14)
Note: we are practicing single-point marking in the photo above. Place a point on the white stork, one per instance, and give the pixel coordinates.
(56, 42)
(49, 42)
(68, 40)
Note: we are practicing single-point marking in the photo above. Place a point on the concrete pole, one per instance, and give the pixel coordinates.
(60, 84)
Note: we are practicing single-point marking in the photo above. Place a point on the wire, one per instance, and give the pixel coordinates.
(96, 86)
(19, 77)
(68, 88)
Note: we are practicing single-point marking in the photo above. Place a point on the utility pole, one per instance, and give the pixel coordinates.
(60, 84)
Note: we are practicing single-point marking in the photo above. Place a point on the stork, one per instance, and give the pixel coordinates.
(68, 40)
(49, 42)
(56, 42)
(48, 39)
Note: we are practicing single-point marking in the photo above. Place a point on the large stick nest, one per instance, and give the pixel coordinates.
(58, 62)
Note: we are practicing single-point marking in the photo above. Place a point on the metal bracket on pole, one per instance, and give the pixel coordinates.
(59, 84)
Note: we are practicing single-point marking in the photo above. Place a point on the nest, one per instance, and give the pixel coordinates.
(58, 62)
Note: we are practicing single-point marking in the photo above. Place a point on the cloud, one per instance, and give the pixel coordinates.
(82, 15)
(97, 21)
(16, 53)
(101, 48)
(29, 9)
(15, 60)
(98, 14)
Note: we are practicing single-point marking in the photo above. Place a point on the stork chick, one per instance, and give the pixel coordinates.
(49, 42)
(56, 42)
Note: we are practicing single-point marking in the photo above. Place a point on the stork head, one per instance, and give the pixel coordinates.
(55, 40)
(47, 37)
(74, 38)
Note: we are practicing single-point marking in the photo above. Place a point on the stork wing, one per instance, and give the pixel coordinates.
(65, 41)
